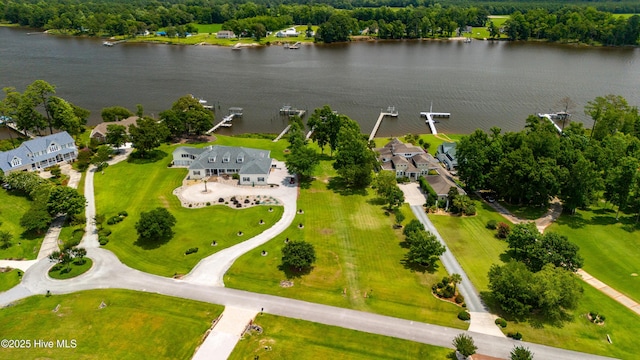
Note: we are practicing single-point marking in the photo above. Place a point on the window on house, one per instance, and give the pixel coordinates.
(193, 157)
(53, 147)
(260, 179)
(185, 155)
(246, 179)
(212, 159)
(16, 162)
(196, 172)
(240, 158)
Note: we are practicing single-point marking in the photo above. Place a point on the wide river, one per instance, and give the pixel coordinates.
(482, 84)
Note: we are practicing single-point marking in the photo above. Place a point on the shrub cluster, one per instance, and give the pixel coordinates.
(191, 251)
(444, 288)
(492, 224)
(596, 318)
(464, 315)
(515, 336)
(117, 218)
(501, 322)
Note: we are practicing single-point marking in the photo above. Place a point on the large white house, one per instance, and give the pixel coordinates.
(252, 165)
(39, 153)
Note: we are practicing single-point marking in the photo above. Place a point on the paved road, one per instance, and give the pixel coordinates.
(108, 272)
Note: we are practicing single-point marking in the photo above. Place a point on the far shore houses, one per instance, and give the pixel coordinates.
(39, 153)
(252, 165)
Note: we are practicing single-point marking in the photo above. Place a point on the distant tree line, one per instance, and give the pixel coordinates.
(388, 19)
(536, 164)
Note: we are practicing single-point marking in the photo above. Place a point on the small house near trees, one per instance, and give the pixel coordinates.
(100, 131)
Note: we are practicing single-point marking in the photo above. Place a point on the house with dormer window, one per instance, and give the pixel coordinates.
(39, 153)
(252, 165)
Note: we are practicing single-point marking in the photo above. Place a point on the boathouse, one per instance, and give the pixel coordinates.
(39, 153)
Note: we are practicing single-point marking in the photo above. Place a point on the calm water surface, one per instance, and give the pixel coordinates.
(482, 84)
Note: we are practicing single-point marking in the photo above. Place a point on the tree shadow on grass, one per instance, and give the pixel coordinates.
(150, 244)
(293, 273)
(415, 267)
(339, 185)
(575, 221)
(152, 156)
(378, 201)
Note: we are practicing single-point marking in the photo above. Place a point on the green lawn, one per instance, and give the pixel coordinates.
(475, 246)
(610, 248)
(300, 340)
(9, 279)
(581, 335)
(61, 272)
(208, 28)
(476, 249)
(358, 260)
(132, 325)
(525, 212)
(13, 205)
(142, 187)
(483, 33)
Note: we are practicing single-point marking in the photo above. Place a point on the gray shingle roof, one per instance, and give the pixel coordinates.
(27, 150)
(245, 160)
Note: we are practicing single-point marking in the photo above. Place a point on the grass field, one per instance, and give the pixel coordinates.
(131, 326)
(208, 28)
(525, 212)
(12, 207)
(358, 260)
(610, 248)
(142, 187)
(60, 272)
(301, 340)
(9, 279)
(483, 33)
(476, 249)
(475, 246)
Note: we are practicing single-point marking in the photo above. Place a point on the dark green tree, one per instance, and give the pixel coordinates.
(520, 353)
(619, 182)
(302, 161)
(424, 248)
(386, 187)
(63, 116)
(465, 345)
(147, 135)
(36, 219)
(554, 249)
(298, 255)
(155, 224)
(187, 116)
(522, 238)
(116, 135)
(37, 95)
(510, 287)
(65, 200)
(5, 239)
(115, 113)
(354, 160)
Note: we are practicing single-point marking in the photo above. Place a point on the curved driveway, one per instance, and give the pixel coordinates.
(109, 272)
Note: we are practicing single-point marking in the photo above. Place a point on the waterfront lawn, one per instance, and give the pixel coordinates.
(132, 326)
(476, 248)
(610, 248)
(359, 260)
(76, 268)
(142, 187)
(277, 148)
(481, 32)
(13, 205)
(300, 340)
(10, 279)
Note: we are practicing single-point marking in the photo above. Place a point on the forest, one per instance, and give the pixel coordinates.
(567, 22)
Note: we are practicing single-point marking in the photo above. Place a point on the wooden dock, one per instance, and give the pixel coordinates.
(13, 126)
(551, 118)
(282, 133)
(430, 115)
(291, 111)
(391, 111)
(225, 122)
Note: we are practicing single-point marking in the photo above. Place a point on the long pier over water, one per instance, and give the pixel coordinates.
(391, 111)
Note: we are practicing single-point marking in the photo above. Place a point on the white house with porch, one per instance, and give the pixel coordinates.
(252, 165)
(39, 153)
